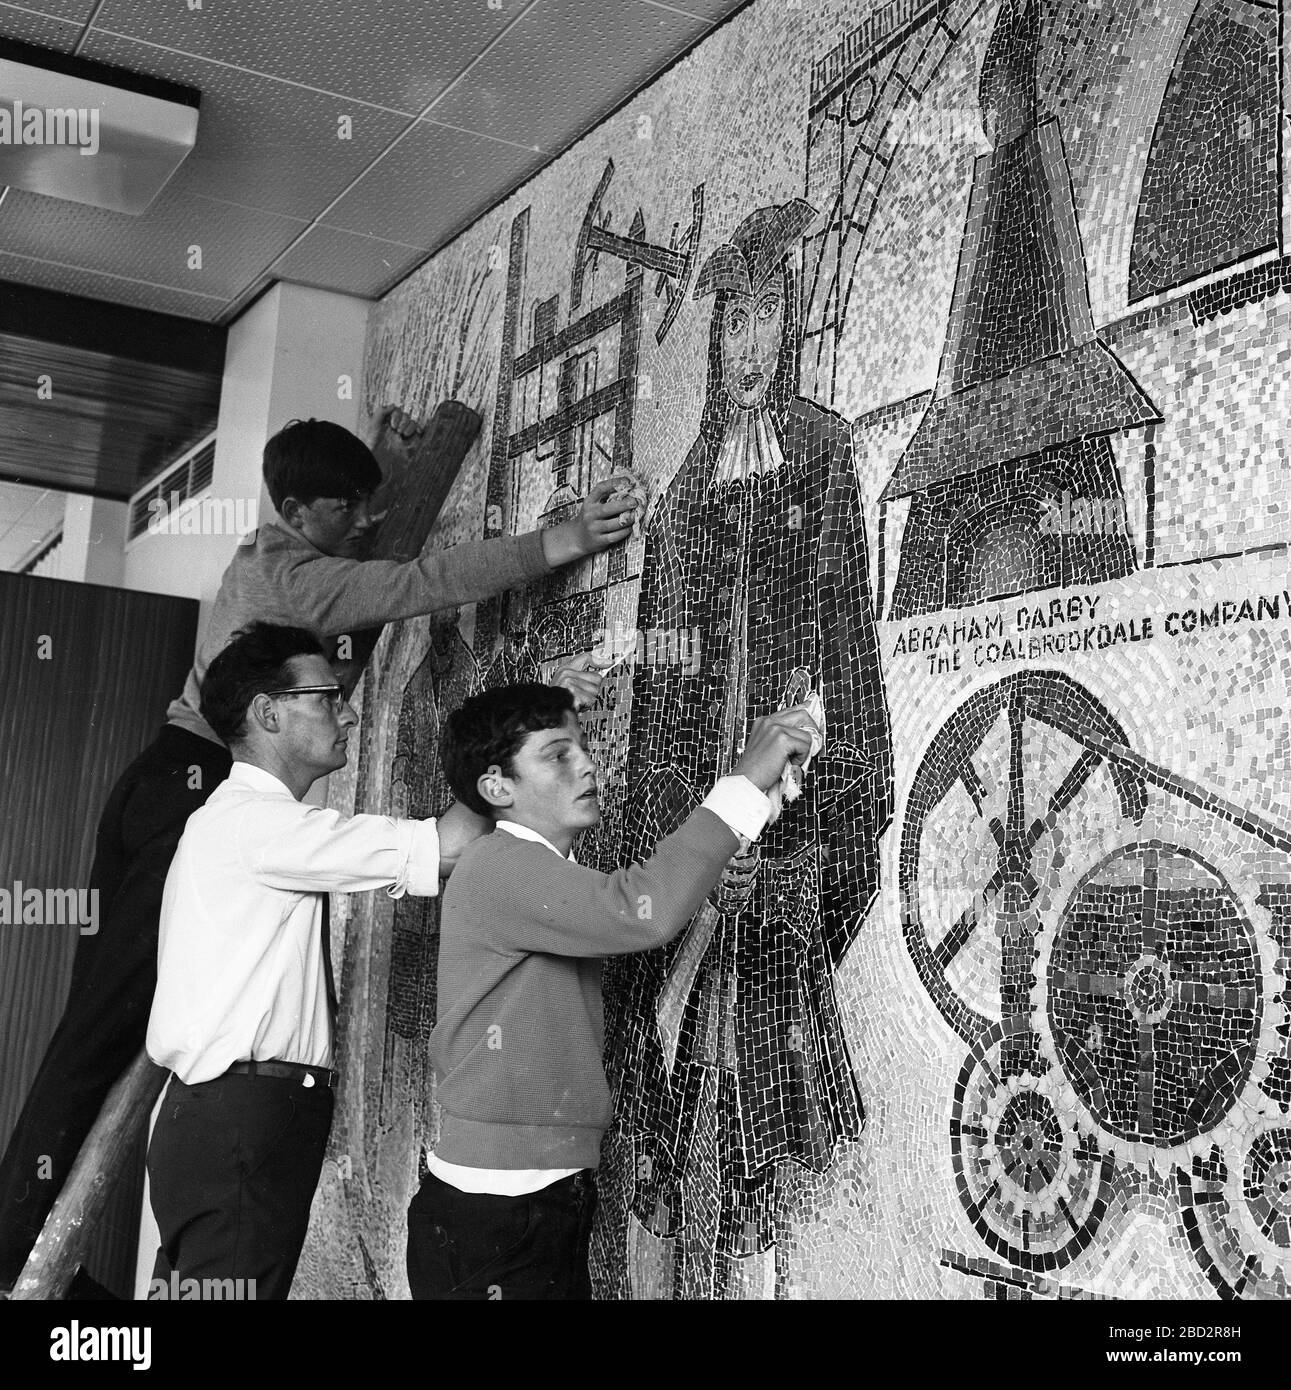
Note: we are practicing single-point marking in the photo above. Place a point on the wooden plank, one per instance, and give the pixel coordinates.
(417, 482)
(61, 1247)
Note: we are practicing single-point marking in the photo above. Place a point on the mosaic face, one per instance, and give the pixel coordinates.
(980, 443)
(752, 329)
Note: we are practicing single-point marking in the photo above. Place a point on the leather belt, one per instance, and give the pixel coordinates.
(288, 1071)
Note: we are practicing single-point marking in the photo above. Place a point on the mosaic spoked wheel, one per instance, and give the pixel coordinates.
(1153, 1003)
(1236, 1211)
(1035, 1187)
(1009, 789)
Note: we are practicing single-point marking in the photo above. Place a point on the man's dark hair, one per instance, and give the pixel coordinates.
(254, 661)
(308, 459)
(488, 730)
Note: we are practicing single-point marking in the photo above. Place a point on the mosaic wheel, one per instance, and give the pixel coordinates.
(1006, 792)
(1236, 1211)
(1035, 1188)
(1157, 1003)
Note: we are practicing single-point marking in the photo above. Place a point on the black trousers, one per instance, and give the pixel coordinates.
(232, 1169)
(476, 1246)
(114, 976)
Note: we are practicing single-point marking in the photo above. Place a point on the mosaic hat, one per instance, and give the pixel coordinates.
(756, 248)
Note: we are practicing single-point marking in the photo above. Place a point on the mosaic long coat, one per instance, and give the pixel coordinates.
(762, 1011)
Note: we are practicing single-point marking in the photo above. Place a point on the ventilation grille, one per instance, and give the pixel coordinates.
(189, 477)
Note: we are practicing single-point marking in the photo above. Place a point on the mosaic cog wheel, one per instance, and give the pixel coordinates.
(1034, 1187)
(1030, 1154)
(1011, 786)
(1259, 1191)
(1236, 1210)
(1157, 1002)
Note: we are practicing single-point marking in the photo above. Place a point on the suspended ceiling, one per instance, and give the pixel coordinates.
(451, 104)
(97, 398)
(28, 517)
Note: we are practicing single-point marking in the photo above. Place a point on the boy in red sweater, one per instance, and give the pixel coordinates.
(506, 1208)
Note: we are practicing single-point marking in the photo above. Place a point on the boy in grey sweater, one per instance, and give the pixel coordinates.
(506, 1208)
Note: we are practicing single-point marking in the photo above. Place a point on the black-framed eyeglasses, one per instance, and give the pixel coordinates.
(335, 694)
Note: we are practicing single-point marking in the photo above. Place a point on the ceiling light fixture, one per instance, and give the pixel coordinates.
(79, 130)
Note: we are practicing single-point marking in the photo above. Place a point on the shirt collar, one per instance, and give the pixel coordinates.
(750, 448)
(249, 775)
(523, 832)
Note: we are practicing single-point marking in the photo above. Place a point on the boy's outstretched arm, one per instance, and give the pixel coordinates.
(604, 519)
(543, 903)
(335, 595)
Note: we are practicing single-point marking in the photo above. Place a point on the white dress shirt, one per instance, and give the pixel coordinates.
(745, 810)
(240, 973)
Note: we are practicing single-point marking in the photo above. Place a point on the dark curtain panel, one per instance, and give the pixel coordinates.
(86, 674)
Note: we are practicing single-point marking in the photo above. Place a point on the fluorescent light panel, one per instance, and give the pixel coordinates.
(89, 133)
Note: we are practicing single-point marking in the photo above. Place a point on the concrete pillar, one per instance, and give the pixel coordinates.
(94, 530)
(296, 353)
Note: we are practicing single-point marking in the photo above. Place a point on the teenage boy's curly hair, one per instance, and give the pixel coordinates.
(488, 730)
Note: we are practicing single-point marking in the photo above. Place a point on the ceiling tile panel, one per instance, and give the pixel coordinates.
(711, 10)
(17, 547)
(75, 279)
(235, 243)
(76, 10)
(261, 143)
(269, 171)
(37, 29)
(397, 53)
(347, 262)
(434, 182)
(521, 90)
(25, 508)
(29, 516)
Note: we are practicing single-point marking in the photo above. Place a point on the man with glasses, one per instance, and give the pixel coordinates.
(243, 1012)
(304, 569)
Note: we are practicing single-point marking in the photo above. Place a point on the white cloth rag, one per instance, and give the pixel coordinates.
(789, 787)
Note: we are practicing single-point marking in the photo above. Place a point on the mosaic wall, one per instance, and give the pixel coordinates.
(951, 336)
